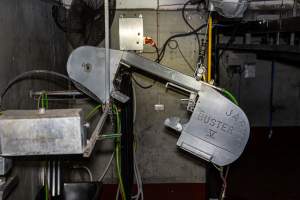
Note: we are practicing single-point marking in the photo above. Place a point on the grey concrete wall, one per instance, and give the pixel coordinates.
(28, 40)
(35, 42)
(159, 159)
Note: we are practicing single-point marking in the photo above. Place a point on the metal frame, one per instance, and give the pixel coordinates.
(221, 148)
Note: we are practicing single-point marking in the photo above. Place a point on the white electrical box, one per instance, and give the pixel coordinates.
(131, 33)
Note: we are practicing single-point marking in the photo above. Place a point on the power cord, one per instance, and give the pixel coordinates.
(181, 53)
(162, 52)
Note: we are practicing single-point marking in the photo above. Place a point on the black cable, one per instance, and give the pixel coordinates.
(231, 40)
(157, 52)
(29, 74)
(162, 53)
(191, 27)
(142, 86)
(148, 86)
(127, 144)
(181, 53)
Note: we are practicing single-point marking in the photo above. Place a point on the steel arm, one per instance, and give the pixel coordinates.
(218, 130)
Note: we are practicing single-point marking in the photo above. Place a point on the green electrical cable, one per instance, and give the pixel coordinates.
(118, 153)
(46, 100)
(118, 163)
(43, 105)
(230, 96)
(93, 112)
(46, 192)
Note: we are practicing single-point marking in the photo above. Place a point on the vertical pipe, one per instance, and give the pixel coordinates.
(53, 179)
(107, 52)
(209, 50)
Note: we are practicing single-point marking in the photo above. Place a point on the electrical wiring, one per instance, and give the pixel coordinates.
(224, 180)
(157, 52)
(134, 102)
(136, 169)
(190, 26)
(29, 74)
(181, 53)
(231, 40)
(107, 167)
(185, 59)
(118, 152)
(140, 193)
(44, 99)
(87, 170)
(162, 52)
(152, 43)
(93, 112)
(206, 32)
(221, 169)
(230, 96)
(118, 192)
(140, 85)
(46, 192)
(39, 100)
(138, 178)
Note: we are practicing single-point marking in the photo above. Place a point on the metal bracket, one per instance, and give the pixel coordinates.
(174, 123)
(92, 141)
(120, 96)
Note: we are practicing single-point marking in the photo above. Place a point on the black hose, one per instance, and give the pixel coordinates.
(162, 53)
(29, 74)
(191, 27)
(127, 167)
